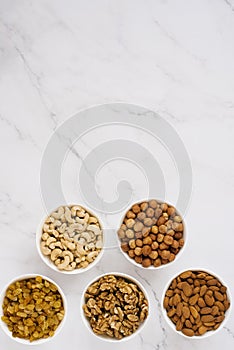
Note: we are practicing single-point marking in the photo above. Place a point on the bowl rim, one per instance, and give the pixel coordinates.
(49, 263)
(141, 326)
(39, 341)
(185, 236)
(227, 313)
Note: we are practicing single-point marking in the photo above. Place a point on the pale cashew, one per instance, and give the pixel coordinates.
(71, 266)
(56, 245)
(79, 220)
(45, 250)
(91, 256)
(70, 245)
(80, 250)
(81, 241)
(68, 216)
(64, 264)
(90, 246)
(92, 220)
(75, 227)
(62, 228)
(55, 233)
(58, 214)
(45, 236)
(95, 229)
(75, 209)
(55, 254)
(68, 253)
(99, 244)
(57, 223)
(46, 227)
(86, 236)
(50, 240)
(49, 220)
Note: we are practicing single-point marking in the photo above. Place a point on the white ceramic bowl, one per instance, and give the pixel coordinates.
(106, 338)
(25, 341)
(209, 333)
(50, 263)
(185, 237)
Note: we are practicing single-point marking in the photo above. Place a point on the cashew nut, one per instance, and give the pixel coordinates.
(91, 256)
(68, 216)
(86, 236)
(55, 254)
(50, 240)
(75, 209)
(62, 228)
(69, 254)
(71, 266)
(59, 213)
(45, 250)
(80, 250)
(64, 264)
(45, 236)
(56, 244)
(95, 229)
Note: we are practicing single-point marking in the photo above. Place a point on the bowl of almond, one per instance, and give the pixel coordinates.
(152, 234)
(196, 303)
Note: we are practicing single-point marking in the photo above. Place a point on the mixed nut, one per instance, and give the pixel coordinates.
(71, 238)
(32, 308)
(115, 306)
(196, 302)
(152, 233)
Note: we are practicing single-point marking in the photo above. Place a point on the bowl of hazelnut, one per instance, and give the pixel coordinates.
(152, 234)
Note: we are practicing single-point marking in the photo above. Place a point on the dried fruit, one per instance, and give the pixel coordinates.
(32, 308)
(196, 302)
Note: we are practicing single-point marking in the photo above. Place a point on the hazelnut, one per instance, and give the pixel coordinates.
(162, 228)
(168, 240)
(144, 206)
(130, 215)
(158, 212)
(154, 245)
(121, 233)
(146, 250)
(138, 235)
(165, 254)
(138, 259)
(154, 229)
(171, 232)
(172, 257)
(136, 209)
(123, 227)
(147, 240)
(148, 222)
(161, 221)
(141, 216)
(138, 251)
(160, 237)
(177, 226)
(146, 262)
(153, 204)
(171, 211)
(181, 242)
(124, 247)
(163, 246)
(131, 253)
(175, 244)
(177, 218)
(150, 212)
(152, 236)
(164, 207)
(153, 255)
(145, 231)
(178, 235)
(129, 233)
(157, 262)
(132, 244)
(130, 223)
(139, 243)
(138, 226)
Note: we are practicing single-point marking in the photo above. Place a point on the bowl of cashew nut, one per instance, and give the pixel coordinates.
(70, 239)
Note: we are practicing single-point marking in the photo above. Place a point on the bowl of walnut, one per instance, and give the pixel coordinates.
(33, 309)
(70, 239)
(115, 307)
(196, 303)
(152, 234)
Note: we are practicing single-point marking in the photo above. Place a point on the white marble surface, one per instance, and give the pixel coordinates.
(174, 57)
